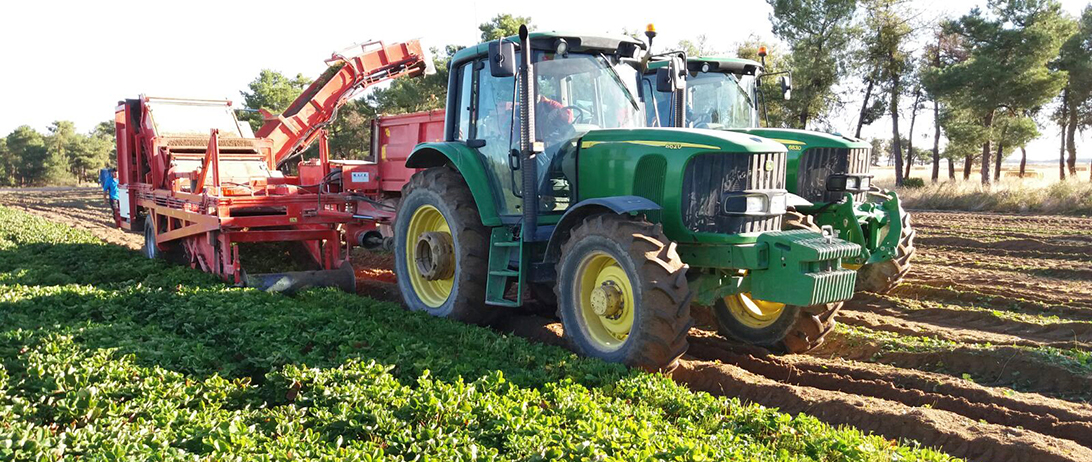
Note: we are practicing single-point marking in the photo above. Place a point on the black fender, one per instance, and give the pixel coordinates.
(588, 207)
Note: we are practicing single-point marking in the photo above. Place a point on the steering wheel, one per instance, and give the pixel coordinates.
(579, 114)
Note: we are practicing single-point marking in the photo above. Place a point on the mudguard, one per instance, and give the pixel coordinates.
(588, 207)
(468, 164)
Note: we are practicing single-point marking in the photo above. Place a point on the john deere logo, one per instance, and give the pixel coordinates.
(769, 166)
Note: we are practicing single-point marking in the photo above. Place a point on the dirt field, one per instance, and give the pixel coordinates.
(985, 352)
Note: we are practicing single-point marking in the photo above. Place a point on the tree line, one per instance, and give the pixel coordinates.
(61, 156)
(993, 78)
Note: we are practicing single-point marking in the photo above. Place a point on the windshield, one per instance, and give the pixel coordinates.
(188, 118)
(583, 91)
(714, 100)
(719, 100)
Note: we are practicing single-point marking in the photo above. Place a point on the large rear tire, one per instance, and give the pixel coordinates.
(441, 247)
(884, 276)
(622, 293)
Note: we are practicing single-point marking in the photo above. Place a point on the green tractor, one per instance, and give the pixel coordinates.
(572, 198)
(829, 172)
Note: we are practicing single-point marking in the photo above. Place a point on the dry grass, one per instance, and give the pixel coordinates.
(1072, 197)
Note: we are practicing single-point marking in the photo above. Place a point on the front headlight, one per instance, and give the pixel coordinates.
(769, 202)
(848, 183)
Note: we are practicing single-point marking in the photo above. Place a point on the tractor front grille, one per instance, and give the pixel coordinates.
(708, 176)
(816, 164)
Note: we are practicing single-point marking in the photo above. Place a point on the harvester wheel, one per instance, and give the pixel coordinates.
(149, 249)
(622, 293)
(441, 247)
(884, 276)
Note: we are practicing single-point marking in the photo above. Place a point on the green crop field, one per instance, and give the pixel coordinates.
(107, 356)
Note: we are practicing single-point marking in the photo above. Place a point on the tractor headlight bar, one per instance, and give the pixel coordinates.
(756, 202)
(849, 183)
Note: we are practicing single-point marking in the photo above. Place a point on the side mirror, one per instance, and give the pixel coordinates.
(502, 59)
(669, 78)
(786, 86)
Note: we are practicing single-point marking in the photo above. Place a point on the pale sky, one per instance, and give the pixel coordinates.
(73, 60)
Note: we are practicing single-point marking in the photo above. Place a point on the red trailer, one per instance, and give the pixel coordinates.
(198, 182)
(393, 139)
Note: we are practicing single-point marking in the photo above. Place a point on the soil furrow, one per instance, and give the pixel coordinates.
(971, 322)
(952, 433)
(775, 369)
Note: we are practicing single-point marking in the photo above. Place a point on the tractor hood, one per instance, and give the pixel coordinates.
(798, 140)
(690, 139)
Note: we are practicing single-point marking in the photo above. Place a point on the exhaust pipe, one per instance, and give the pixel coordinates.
(527, 148)
(343, 278)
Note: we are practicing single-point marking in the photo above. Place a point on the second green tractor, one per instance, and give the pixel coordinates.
(829, 173)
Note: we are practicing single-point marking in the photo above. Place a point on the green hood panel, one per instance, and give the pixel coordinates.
(650, 163)
(804, 138)
(674, 139)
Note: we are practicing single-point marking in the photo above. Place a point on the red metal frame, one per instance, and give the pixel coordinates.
(196, 212)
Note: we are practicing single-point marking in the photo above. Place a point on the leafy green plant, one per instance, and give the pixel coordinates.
(106, 355)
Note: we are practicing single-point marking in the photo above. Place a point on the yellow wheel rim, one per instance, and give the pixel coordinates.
(424, 220)
(851, 266)
(600, 271)
(753, 313)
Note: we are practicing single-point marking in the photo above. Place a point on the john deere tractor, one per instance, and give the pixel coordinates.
(572, 198)
(829, 172)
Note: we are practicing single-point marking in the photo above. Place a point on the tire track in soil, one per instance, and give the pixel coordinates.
(962, 325)
(902, 326)
(1002, 366)
(961, 294)
(954, 434)
(948, 419)
(777, 369)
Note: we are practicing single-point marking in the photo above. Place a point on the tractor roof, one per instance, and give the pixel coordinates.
(716, 64)
(621, 44)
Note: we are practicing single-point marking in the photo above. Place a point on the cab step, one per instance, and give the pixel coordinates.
(505, 250)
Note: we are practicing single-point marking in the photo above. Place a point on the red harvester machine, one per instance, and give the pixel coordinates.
(198, 182)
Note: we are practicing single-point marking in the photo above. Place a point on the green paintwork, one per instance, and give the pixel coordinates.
(876, 226)
(608, 163)
(805, 269)
(469, 165)
(795, 267)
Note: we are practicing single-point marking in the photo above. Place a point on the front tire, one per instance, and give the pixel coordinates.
(441, 247)
(779, 327)
(884, 276)
(783, 328)
(622, 293)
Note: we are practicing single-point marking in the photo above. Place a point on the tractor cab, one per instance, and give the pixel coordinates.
(720, 93)
(580, 86)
